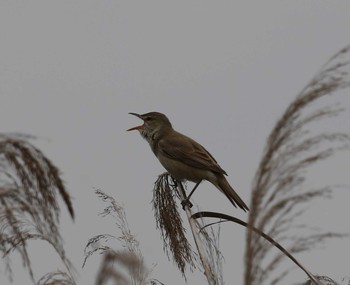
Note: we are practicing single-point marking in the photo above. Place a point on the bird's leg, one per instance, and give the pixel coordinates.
(182, 195)
(187, 200)
(194, 188)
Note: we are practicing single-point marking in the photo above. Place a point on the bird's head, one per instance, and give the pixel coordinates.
(154, 125)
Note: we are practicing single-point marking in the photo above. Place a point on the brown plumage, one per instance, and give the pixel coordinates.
(182, 157)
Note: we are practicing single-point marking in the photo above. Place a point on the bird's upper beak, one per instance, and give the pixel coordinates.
(137, 127)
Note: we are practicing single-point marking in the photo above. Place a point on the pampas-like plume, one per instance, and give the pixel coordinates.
(325, 280)
(29, 184)
(126, 266)
(212, 246)
(176, 245)
(56, 278)
(277, 189)
(169, 222)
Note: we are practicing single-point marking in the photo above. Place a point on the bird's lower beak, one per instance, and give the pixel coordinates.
(137, 127)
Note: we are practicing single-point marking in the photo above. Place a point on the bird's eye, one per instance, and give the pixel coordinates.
(148, 119)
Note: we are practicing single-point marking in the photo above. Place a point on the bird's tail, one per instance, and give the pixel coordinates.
(223, 185)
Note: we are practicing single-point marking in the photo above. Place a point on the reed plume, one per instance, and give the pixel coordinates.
(279, 196)
(125, 266)
(56, 278)
(175, 243)
(29, 186)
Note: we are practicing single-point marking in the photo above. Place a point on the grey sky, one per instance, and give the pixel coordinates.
(70, 71)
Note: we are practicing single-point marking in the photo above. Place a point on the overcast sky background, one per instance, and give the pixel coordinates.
(223, 72)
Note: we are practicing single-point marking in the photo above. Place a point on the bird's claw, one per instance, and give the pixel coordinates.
(185, 203)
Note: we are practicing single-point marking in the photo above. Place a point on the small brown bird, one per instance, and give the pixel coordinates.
(182, 157)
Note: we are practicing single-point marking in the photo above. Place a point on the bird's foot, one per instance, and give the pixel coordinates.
(185, 203)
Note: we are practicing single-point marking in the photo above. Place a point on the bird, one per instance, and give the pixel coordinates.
(184, 158)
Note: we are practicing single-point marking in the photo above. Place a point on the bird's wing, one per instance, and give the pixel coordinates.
(190, 152)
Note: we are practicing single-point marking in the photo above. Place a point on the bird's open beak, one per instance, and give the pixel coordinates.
(137, 127)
